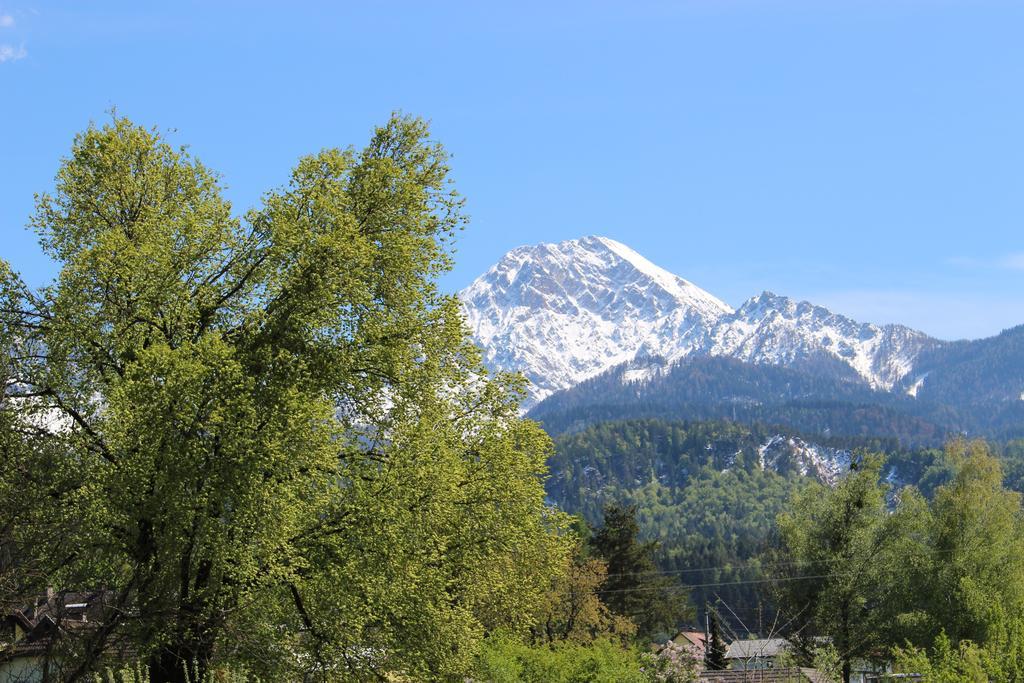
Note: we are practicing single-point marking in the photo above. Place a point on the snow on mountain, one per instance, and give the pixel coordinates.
(916, 386)
(561, 313)
(781, 453)
(776, 330)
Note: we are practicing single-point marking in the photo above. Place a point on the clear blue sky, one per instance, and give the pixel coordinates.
(864, 154)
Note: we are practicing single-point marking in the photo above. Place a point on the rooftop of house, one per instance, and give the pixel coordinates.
(29, 628)
(792, 675)
(757, 647)
(695, 638)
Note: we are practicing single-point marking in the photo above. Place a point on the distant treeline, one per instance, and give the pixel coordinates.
(701, 493)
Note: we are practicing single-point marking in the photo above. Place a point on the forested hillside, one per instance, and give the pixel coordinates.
(709, 492)
(824, 402)
(985, 378)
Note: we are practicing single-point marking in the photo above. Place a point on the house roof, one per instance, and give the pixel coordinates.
(69, 607)
(758, 647)
(792, 675)
(695, 638)
(50, 613)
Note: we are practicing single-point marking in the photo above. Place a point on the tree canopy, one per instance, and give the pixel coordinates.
(264, 437)
(876, 570)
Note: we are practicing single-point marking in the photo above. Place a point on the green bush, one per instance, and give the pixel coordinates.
(505, 659)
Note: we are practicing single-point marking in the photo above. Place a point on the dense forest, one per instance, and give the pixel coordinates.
(972, 388)
(697, 488)
(983, 378)
(703, 491)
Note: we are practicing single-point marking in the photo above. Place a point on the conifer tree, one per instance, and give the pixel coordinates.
(714, 653)
(634, 587)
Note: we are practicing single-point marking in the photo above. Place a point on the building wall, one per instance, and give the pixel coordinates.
(22, 670)
(752, 663)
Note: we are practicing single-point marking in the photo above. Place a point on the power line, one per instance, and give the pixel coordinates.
(726, 567)
(776, 579)
(756, 565)
(640, 589)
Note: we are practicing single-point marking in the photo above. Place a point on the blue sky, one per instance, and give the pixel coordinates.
(863, 154)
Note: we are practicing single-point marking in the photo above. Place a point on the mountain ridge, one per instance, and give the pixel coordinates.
(564, 312)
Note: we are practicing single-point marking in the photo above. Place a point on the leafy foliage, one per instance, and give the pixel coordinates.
(506, 659)
(974, 539)
(573, 610)
(942, 573)
(836, 543)
(999, 659)
(267, 438)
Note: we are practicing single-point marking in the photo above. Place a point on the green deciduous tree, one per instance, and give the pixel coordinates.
(507, 659)
(1001, 659)
(973, 539)
(834, 543)
(572, 610)
(938, 574)
(267, 439)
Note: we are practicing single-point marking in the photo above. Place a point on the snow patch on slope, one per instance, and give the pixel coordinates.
(827, 465)
(916, 386)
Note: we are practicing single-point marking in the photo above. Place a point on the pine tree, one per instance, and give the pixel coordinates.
(714, 653)
(634, 588)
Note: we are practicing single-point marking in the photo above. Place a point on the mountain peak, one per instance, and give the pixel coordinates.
(593, 271)
(565, 311)
(684, 289)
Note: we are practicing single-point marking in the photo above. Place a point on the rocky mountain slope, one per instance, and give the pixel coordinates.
(562, 313)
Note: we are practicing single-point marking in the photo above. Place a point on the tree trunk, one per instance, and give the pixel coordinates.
(186, 662)
(845, 640)
(168, 666)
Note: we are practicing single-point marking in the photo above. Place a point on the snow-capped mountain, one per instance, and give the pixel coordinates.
(561, 313)
(777, 330)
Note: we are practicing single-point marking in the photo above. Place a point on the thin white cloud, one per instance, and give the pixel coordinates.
(1013, 261)
(965, 262)
(9, 53)
(6, 21)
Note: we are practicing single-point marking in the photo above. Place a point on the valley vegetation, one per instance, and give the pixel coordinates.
(265, 444)
(912, 558)
(264, 439)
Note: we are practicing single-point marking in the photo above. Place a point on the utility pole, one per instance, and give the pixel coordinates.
(707, 624)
